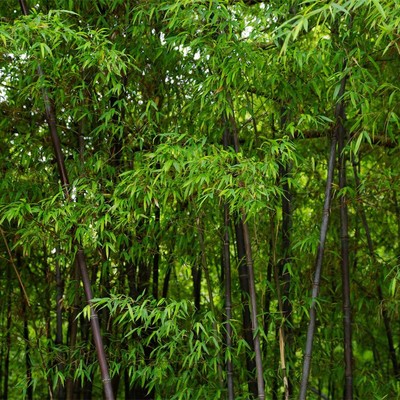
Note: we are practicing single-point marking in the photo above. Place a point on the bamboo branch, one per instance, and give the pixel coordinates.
(11, 259)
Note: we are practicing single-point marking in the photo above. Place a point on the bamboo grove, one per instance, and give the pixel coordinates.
(199, 199)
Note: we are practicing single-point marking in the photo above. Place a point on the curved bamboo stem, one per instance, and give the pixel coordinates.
(81, 261)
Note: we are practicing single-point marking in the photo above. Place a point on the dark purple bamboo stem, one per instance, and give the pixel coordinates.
(385, 315)
(242, 225)
(318, 271)
(156, 259)
(253, 303)
(8, 337)
(51, 120)
(228, 304)
(59, 283)
(244, 287)
(281, 332)
(344, 239)
(228, 290)
(71, 386)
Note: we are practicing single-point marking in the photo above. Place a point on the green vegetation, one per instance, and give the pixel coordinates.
(199, 199)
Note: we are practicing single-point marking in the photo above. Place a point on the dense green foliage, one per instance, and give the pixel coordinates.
(144, 94)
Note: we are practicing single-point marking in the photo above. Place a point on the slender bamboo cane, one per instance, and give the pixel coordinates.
(28, 361)
(196, 276)
(51, 120)
(243, 277)
(228, 304)
(60, 390)
(156, 259)
(59, 283)
(281, 333)
(200, 230)
(385, 315)
(253, 303)
(344, 239)
(250, 271)
(70, 387)
(284, 278)
(8, 337)
(246, 313)
(26, 298)
(318, 271)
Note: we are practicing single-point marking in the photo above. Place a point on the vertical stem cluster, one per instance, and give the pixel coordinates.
(338, 137)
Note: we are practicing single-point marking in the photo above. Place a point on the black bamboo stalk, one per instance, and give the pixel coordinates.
(243, 229)
(397, 212)
(318, 271)
(274, 381)
(196, 276)
(246, 315)
(281, 333)
(285, 307)
(228, 304)
(166, 281)
(270, 269)
(253, 303)
(156, 259)
(286, 224)
(200, 230)
(59, 283)
(385, 315)
(51, 120)
(344, 239)
(226, 259)
(95, 327)
(8, 336)
(71, 338)
(170, 267)
(28, 361)
(284, 274)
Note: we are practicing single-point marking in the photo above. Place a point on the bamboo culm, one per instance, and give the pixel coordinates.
(385, 315)
(318, 271)
(251, 282)
(51, 120)
(242, 268)
(228, 304)
(344, 240)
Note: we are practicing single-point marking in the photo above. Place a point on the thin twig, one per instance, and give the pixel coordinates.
(15, 268)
